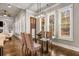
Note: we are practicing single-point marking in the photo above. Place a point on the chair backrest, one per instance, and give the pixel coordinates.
(29, 41)
(49, 35)
(23, 38)
(42, 33)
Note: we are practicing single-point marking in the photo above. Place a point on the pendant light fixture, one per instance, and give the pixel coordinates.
(9, 6)
(6, 14)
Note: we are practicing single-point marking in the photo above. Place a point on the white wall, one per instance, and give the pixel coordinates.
(20, 22)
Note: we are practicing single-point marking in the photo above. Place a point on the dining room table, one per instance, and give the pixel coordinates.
(44, 47)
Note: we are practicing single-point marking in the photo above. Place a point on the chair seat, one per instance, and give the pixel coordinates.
(36, 46)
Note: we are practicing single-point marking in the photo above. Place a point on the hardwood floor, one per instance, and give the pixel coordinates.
(13, 47)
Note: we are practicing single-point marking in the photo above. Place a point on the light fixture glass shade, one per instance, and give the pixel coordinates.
(5, 15)
(9, 6)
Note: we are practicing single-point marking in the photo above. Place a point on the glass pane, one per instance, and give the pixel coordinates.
(43, 27)
(65, 23)
(51, 24)
(43, 24)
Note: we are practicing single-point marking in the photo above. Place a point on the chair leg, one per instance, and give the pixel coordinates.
(27, 52)
(23, 50)
(30, 53)
(1, 48)
(35, 53)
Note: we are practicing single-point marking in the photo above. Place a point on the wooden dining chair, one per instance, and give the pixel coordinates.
(31, 45)
(24, 45)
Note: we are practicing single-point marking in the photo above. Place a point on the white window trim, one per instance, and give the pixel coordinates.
(70, 7)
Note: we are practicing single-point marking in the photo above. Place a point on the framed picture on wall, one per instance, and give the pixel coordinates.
(65, 24)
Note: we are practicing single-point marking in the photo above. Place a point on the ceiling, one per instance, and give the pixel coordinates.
(35, 7)
(16, 7)
(12, 11)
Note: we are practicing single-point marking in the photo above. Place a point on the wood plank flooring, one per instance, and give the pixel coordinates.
(13, 47)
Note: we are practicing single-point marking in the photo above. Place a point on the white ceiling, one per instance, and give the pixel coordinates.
(16, 7)
(12, 11)
(36, 7)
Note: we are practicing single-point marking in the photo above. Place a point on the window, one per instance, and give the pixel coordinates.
(65, 23)
(42, 24)
(52, 23)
